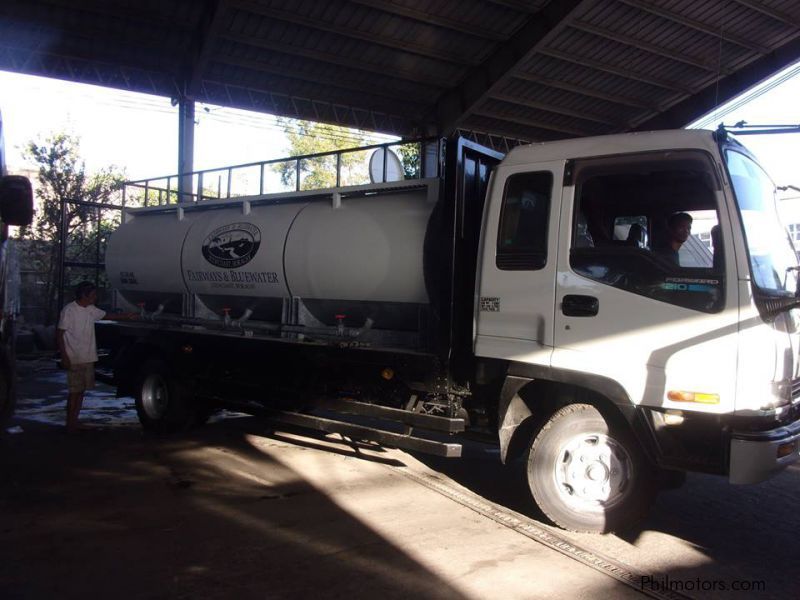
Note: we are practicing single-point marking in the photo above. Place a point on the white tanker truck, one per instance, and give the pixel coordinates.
(538, 298)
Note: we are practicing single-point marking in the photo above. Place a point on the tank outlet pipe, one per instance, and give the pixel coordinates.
(157, 312)
(340, 324)
(248, 312)
(226, 319)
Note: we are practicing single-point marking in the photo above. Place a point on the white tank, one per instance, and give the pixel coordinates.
(362, 257)
(143, 258)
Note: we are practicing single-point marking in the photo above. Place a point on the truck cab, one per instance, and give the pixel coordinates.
(582, 291)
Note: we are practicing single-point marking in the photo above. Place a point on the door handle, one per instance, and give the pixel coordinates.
(574, 305)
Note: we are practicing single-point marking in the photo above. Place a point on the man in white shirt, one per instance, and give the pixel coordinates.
(77, 345)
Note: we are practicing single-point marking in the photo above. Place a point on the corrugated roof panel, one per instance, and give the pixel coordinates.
(495, 18)
(666, 33)
(549, 67)
(267, 82)
(253, 58)
(549, 120)
(607, 110)
(788, 8)
(414, 35)
(623, 57)
(738, 19)
(294, 39)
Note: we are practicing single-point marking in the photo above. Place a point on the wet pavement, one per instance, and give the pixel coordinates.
(42, 398)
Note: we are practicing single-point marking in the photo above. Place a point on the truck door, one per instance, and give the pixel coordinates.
(660, 321)
(514, 312)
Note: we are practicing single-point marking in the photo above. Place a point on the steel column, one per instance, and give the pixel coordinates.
(185, 148)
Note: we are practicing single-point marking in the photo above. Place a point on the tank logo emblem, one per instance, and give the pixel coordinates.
(232, 246)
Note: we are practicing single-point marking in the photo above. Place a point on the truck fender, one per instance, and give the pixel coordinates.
(611, 400)
(512, 411)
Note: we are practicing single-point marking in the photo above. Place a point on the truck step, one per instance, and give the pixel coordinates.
(362, 432)
(406, 417)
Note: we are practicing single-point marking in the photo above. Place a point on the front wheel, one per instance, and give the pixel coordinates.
(586, 474)
(162, 404)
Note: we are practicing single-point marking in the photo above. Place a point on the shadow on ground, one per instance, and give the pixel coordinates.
(111, 512)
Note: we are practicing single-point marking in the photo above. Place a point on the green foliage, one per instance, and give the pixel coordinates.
(63, 180)
(306, 137)
(410, 157)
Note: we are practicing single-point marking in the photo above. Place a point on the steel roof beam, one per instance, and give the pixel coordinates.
(457, 104)
(557, 109)
(300, 107)
(21, 30)
(202, 42)
(330, 80)
(349, 32)
(520, 5)
(643, 45)
(431, 19)
(586, 91)
(167, 67)
(770, 12)
(521, 133)
(498, 142)
(696, 25)
(123, 14)
(73, 68)
(336, 59)
(544, 125)
(612, 70)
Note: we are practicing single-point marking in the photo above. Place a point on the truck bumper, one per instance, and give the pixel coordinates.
(756, 456)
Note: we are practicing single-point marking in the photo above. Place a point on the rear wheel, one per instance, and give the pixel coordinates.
(162, 403)
(586, 474)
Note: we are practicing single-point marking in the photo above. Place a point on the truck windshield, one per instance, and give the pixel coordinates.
(773, 262)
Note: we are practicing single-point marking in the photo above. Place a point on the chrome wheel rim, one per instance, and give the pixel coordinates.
(593, 472)
(155, 396)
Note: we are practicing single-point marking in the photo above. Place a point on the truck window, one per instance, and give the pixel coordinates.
(652, 227)
(522, 239)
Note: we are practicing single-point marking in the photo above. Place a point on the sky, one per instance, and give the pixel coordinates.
(138, 132)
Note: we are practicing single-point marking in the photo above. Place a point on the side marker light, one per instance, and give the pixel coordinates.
(702, 398)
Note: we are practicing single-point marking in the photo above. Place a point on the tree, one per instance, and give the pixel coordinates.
(306, 137)
(410, 158)
(63, 180)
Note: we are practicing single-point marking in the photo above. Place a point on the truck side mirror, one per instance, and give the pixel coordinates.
(16, 200)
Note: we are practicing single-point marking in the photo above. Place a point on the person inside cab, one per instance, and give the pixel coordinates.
(679, 228)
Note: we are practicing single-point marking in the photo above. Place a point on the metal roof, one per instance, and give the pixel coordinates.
(529, 70)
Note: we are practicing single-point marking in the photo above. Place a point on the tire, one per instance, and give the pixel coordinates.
(586, 474)
(162, 404)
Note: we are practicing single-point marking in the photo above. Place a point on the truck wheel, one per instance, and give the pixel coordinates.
(161, 401)
(587, 475)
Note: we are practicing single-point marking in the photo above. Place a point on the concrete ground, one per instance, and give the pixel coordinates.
(237, 509)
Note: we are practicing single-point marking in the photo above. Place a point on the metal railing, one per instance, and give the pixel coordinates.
(350, 166)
